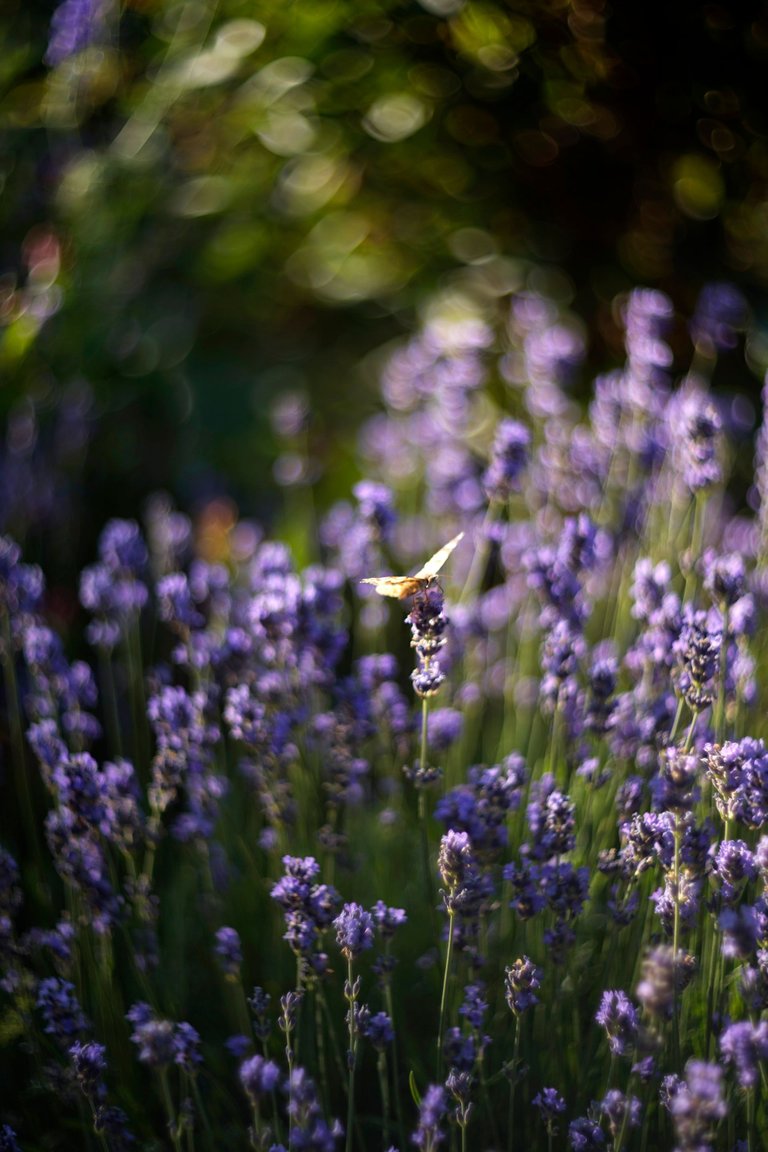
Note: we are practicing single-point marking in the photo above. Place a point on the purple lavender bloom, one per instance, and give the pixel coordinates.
(309, 1130)
(112, 1122)
(725, 577)
(603, 674)
(648, 316)
(551, 819)
(444, 727)
(456, 864)
(474, 1008)
(698, 653)
(114, 589)
(460, 1085)
(620, 1110)
(685, 895)
(379, 1030)
(659, 975)
(63, 1017)
(509, 457)
(585, 1135)
(376, 503)
(154, 1038)
(354, 930)
(734, 865)
(8, 1141)
(696, 1104)
(481, 806)
(522, 982)
(229, 952)
(75, 25)
(10, 890)
(675, 789)
(696, 431)
(175, 605)
(744, 1045)
(741, 931)
(238, 1045)
(428, 624)
(618, 1015)
(259, 1077)
(739, 774)
(90, 1064)
(161, 1042)
(309, 908)
(551, 1105)
(430, 1134)
(721, 313)
(388, 920)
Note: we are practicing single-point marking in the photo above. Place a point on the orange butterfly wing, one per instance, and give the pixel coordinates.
(400, 587)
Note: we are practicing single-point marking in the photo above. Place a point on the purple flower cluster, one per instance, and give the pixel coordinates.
(162, 1042)
(309, 909)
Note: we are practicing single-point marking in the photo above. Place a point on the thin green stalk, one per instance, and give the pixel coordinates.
(720, 706)
(513, 1086)
(381, 1063)
(351, 1056)
(173, 1127)
(444, 995)
(676, 943)
(109, 696)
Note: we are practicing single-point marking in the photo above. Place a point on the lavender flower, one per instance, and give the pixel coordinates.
(661, 972)
(696, 1104)
(744, 1045)
(259, 1077)
(75, 25)
(161, 1042)
(721, 313)
(354, 930)
(63, 1017)
(229, 952)
(523, 980)
(620, 1110)
(551, 1105)
(618, 1015)
(90, 1064)
(585, 1135)
(430, 1133)
(309, 1130)
(508, 459)
(696, 429)
(458, 871)
(379, 1030)
(428, 624)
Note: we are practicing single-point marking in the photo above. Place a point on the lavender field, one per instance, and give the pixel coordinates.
(289, 864)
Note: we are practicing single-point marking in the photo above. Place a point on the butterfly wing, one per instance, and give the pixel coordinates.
(435, 563)
(396, 586)
(400, 587)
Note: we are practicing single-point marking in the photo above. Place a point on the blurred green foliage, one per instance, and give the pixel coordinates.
(216, 202)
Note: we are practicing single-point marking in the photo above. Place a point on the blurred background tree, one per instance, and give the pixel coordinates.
(212, 207)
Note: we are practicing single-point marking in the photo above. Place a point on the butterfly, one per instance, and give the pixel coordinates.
(400, 587)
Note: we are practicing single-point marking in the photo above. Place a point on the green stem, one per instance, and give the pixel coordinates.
(720, 708)
(173, 1127)
(513, 1086)
(444, 996)
(351, 1057)
(385, 1101)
